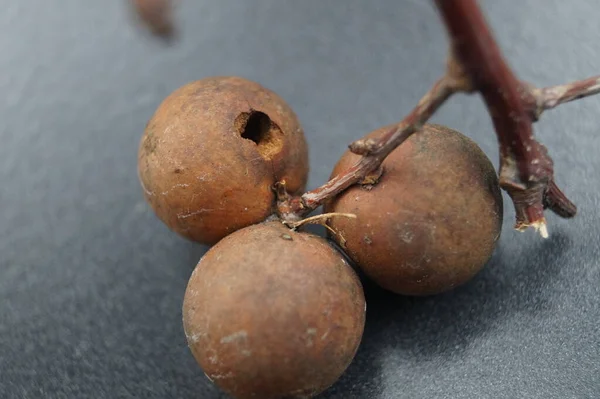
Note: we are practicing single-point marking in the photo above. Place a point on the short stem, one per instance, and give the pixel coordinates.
(549, 97)
(557, 201)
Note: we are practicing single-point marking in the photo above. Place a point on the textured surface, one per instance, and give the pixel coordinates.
(212, 152)
(432, 221)
(270, 313)
(91, 283)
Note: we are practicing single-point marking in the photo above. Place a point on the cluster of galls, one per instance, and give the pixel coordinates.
(270, 312)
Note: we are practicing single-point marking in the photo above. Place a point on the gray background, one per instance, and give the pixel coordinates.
(91, 283)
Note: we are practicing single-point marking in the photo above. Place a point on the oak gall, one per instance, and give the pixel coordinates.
(432, 220)
(273, 313)
(213, 150)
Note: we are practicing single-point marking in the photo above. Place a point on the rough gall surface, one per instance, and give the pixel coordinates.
(273, 313)
(211, 153)
(432, 220)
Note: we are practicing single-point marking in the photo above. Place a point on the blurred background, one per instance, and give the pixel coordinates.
(91, 283)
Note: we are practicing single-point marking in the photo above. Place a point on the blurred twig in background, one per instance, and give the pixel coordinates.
(157, 16)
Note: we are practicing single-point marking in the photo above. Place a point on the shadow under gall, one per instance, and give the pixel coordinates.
(517, 279)
(194, 252)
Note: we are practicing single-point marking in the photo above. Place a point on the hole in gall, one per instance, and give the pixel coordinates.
(257, 127)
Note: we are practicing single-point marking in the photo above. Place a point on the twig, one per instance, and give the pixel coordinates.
(549, 97)
(374, 151)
